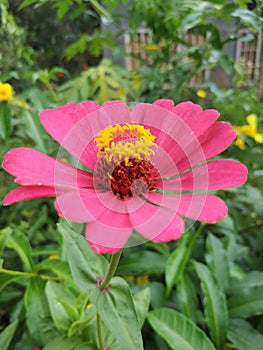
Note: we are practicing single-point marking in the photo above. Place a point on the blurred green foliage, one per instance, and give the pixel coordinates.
(206, 288)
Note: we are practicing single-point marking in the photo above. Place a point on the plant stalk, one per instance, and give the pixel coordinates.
(115, 258)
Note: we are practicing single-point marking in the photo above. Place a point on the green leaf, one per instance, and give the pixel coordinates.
(39, 321)
(116, 309)
(19, 242)
(3, 238)
(178, 259)
(86, 346)
(252, 279)
(56, 292)
(178, 331)
(86, 266)
(187, 296)
(148, 262)
(175, 265)
(85, 319)
(5, 120)
(7, 335)
(101, 10)
(142, 302)
(244, 336)
(26, 3)
(35, 130)
(216, 259)
(6, 279)
(247, 302)
(57, 266)
(249, 18)
(214, 306)
(61, 343)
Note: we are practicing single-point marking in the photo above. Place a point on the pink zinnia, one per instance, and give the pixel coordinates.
(150, 168)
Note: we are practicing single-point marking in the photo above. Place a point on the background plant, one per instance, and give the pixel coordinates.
(204, 289)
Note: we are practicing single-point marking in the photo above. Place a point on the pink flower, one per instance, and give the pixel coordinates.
(150, 168)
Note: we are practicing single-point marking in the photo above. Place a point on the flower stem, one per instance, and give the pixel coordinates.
(99, 331)
(115, 258)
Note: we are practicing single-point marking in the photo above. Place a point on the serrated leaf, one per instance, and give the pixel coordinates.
(142, 302)
(244, 336)
(7, 334)
(39, 321)
(178, 330)
(86, 266)
(216, 259)
(56, 292)
(214, 305)
(116, 309)
(246, 303)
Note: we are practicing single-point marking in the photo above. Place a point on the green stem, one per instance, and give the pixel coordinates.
(197, 234)
(115, 258)
(99, 329)
(29, 275)
(18, 273)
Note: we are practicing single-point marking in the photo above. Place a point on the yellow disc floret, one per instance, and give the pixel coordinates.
(125, 142)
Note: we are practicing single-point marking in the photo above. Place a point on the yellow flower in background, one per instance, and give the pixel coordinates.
(144, 279)
(201, 93)
(249, 129)
(240, 143)
(151, 47)
(6, 92)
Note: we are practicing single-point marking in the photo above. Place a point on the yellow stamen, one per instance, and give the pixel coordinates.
(125, 142)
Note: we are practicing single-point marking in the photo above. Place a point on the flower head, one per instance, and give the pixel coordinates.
(6, 92)
(150, 167)
(249, 129)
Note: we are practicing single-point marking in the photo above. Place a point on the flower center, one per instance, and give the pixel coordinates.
(124, 165)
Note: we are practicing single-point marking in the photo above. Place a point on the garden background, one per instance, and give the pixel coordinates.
(204, 291)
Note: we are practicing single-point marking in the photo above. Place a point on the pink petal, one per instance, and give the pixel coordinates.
(77, 135)
(195, 118)
(158, 221)
(172, 232)
(106, 239)
(31, 167)
(173, 134)
(218, 174)
(167, 104)
(28, 192)
(212, 142)
(192, 114)
(202, 207)
(86, 205)
(58, 122)
(113, 102)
